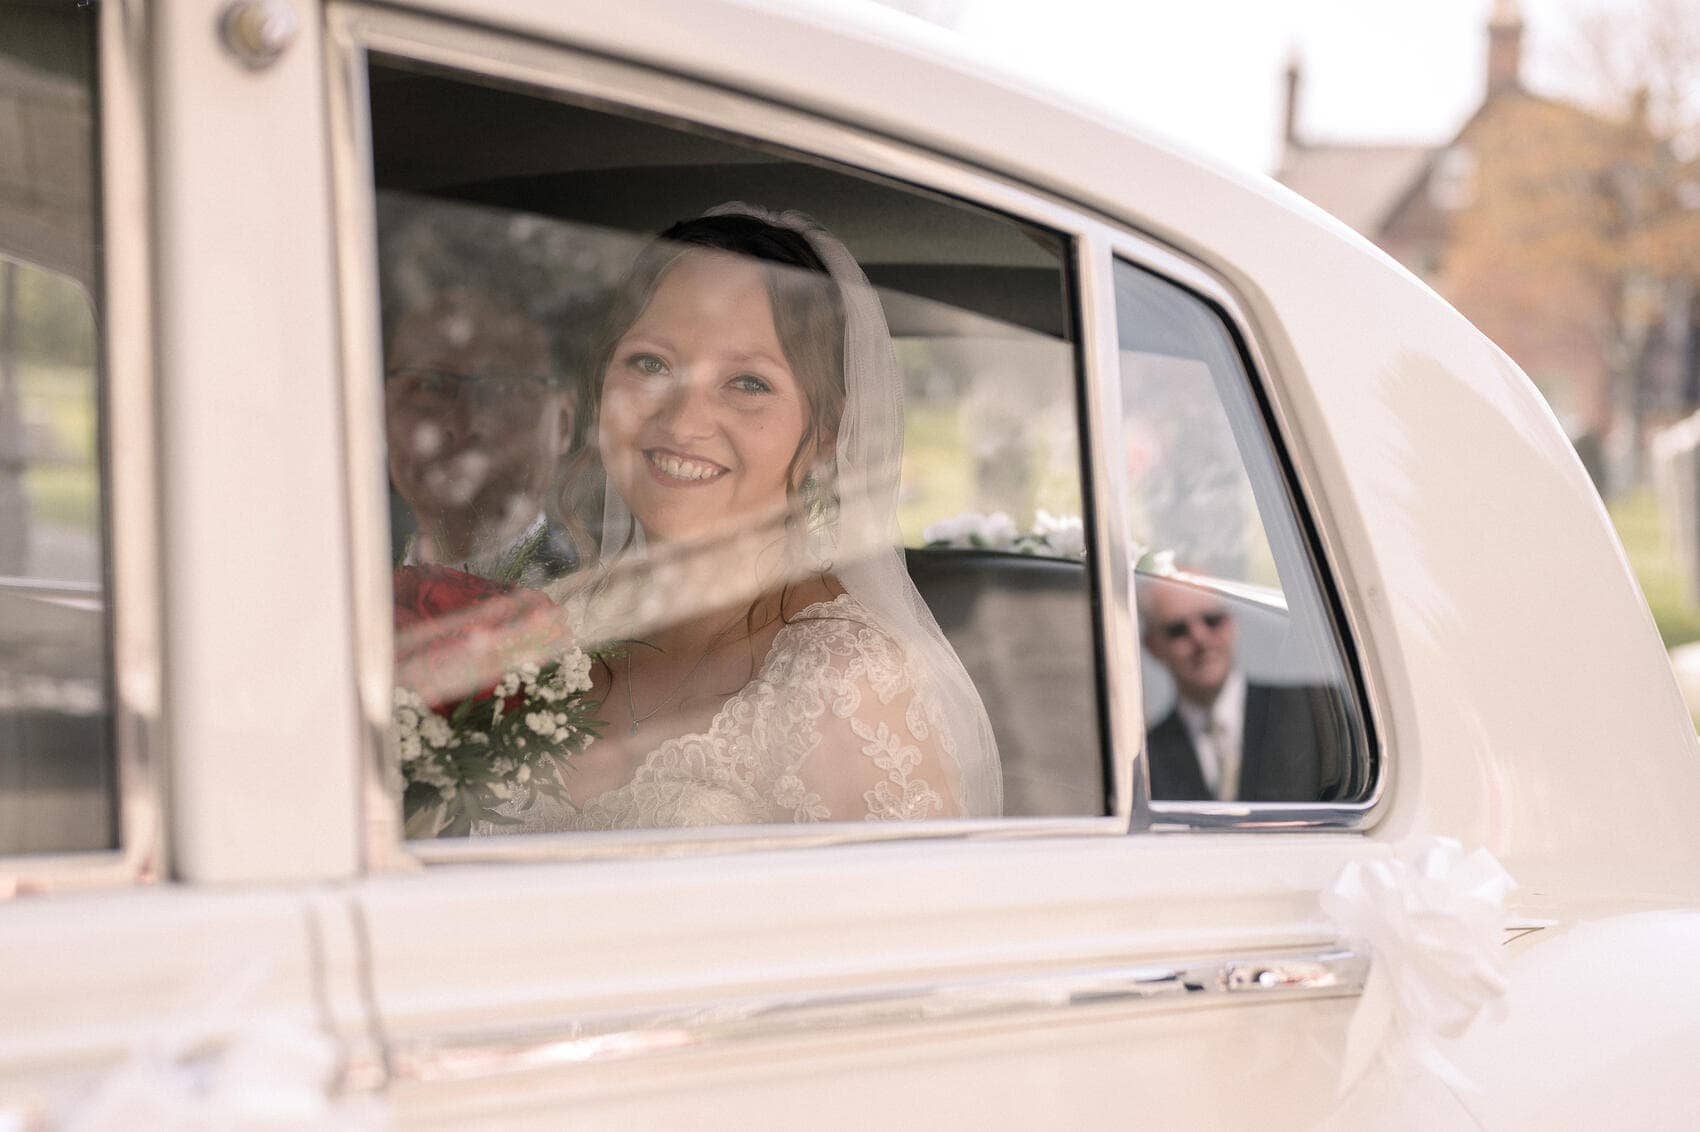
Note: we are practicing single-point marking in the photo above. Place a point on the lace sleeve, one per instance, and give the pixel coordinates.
(879, 751)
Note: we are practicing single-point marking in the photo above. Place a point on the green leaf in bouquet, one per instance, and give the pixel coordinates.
(486, 814)
(418, 796)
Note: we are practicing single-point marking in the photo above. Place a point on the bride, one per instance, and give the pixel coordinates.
(777, 664)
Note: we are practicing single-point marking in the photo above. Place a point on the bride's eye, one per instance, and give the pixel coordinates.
(647, 364)
(750, 383)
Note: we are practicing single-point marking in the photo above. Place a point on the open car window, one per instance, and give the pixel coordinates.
(728, 487)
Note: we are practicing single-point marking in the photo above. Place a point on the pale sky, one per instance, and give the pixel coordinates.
(1208, 73)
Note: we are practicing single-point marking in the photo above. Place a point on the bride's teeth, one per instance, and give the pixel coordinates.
(683, 469)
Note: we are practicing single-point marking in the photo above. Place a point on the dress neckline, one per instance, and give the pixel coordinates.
(812, 612)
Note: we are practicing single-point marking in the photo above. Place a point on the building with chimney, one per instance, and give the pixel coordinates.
(1551, 227)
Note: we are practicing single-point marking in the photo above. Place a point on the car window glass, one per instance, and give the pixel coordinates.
(1248, 695)
(57, 789)
(727, 487)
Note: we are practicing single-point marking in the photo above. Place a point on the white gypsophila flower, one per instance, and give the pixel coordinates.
(539, 722)
(436, 731)
(996, 531)
(952, 531)
(575, 671)
(406, 720)
(408, 747)
(1064, 534)
(431, 773)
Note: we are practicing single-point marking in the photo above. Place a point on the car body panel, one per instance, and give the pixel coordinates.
(251, 481)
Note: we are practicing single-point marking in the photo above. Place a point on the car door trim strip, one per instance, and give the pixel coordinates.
(599, 1038)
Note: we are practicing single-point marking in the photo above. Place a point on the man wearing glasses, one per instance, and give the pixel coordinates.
(479, 421)
(1227, 739)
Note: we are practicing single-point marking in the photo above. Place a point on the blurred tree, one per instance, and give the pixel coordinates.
(1574, 234)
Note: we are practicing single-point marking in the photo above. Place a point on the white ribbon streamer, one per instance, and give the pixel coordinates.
(221, 1065)
(1433, 921)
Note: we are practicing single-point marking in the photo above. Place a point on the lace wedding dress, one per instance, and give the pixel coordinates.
(837, 725)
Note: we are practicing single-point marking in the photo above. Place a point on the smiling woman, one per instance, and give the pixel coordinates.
(724, 400)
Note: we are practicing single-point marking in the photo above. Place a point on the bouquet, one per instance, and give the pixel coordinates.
(491, 698)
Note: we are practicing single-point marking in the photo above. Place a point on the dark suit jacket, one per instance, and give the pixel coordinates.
(1292, 750)
(554, 556)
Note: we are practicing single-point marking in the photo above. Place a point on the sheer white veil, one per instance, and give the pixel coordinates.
(860, 538)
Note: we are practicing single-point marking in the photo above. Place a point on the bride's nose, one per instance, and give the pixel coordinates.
(687, 410)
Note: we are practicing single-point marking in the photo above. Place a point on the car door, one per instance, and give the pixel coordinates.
(1040, 968)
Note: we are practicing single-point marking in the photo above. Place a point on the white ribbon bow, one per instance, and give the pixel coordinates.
(1433, 921)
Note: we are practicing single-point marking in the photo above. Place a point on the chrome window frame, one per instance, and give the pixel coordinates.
(129, 479)
(551, 70)
(1324, 559)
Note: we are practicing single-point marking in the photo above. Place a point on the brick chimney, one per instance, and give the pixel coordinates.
(1290, 112)
(1505, 48)
(1639, 101)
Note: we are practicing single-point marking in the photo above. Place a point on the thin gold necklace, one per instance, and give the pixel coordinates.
(631, 707)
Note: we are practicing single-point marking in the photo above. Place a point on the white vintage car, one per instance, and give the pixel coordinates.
(1150, 403)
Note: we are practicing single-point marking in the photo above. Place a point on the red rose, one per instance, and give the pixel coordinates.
(457, 635)
(423, 592)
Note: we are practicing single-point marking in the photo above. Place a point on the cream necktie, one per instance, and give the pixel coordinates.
(1215, 763)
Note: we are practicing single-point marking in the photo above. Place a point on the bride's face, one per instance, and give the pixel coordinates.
(701, 412)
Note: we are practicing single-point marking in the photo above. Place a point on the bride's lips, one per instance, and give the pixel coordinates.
(676, 469)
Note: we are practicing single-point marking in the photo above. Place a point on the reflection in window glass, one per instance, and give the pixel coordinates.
(709, 512)
(56, 776)
(1247, 693)
(991, 455)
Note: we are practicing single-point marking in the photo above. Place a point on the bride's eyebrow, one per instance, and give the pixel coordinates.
(744, 357)
(644, 338)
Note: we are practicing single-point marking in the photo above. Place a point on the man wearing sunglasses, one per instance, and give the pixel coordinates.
(1227, 738)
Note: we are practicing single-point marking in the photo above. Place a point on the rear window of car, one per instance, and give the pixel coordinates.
(57, 779)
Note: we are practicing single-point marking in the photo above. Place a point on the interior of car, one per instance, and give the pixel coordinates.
(480, 182)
